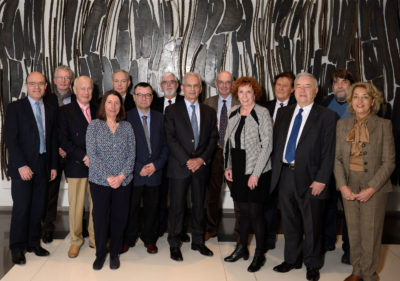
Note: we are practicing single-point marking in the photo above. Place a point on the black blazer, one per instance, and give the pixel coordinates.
(52, 99)
(270, 105)
(129, 103)
(158, 103)
(22, 140)
(315, 151)
(180, 139)
(72, 138)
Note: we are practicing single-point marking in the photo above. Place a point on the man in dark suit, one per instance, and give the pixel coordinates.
(222, 104)
(151, 156)
(63, 76)
(29, 131)
(283, 90)
(302, 163)
(192, 136)
(73, 122)
(121, 83)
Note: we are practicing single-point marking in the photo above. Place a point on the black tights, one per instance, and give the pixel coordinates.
(252, 215)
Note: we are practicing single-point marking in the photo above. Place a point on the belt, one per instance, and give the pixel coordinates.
(288, 165)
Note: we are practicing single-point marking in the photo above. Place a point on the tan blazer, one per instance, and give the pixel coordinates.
(378, 154)
(213, 102)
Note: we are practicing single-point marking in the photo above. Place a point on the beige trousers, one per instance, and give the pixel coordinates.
(77, 188)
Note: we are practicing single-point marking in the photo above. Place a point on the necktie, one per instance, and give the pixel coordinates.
(223, 122)
(146, 132)
(281, 104)
(195, 127)
(291, 145)
(169, 102)
(39, 123)
(87, 114)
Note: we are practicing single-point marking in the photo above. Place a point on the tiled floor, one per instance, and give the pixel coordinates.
(138, 265)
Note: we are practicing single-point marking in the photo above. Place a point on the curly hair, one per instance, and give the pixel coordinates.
(372, 91)
(247, 81)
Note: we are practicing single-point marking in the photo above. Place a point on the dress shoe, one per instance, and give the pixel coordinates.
(114, 262)
(73, 251)
(99, 262)
(240, 251)
(18, 257)
(353, 278)
(209, 235)
(286, 267)
(345, 258)
(92, 245)
(125, 248)
(39, 251)
(176, 254)
(185, 238)
(312, 274)
(202, 249)
(47, 237)
(257, 263)
(151, 248)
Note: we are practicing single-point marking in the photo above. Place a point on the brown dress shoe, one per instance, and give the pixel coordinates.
(73, 251)
(151, 248)
(209, 235)
(353, 278)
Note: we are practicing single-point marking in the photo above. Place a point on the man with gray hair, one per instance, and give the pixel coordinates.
(121, 83)
(302, 164)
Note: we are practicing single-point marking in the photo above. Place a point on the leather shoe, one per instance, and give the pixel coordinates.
(312, 274)
(18, 257)
(176, 254)
(39, 251)
(240, 252)
(257, 263)
(346, 258)
(286, 267)
(125, 248)
(73, 251)
(185, 238)
(99, 262)
(151, 248)
(209, 235)
(353, 278)
(202, 249)
(114, 262)
(47, 237)
(92, 245)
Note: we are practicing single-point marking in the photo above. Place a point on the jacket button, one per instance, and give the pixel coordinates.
(365, 163)
(363, 145)
(192, 140)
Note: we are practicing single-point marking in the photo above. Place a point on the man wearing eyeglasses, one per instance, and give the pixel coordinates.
(151, 156)
(222, 104)
(192, 136)
(30, 137)
(121, 83)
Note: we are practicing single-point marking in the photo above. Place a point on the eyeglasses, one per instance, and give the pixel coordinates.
(169, 82)
(224, 83)
(146, 96)
(65, 78)
(121, 81)
(32, 84)
(195, 86)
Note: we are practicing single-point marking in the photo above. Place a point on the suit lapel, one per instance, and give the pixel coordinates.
(202, 119)
(79, 114)
(285, 128)
(371, 124)
(309, 123)
(32, 120)
(183, 114)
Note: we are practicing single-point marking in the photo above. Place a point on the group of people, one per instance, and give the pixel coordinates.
(138, 148)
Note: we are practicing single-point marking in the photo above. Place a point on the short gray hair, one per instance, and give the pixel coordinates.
(306, 74)
(121, 70)
(65, 68)
(187, 74)
(168, 74)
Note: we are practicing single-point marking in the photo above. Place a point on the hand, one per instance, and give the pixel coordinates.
(346, 192)
(365, 194)
(253, 181)
(62, 153)
(86, 160)
(150, 168)
(143, 172)
(116, 181)
(317, 188)
(53, 174)
(194, 164)
(228, 175)
(25, 173)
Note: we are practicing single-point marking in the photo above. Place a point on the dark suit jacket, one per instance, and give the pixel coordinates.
(72, 138)
(270, 105)
(158, 103)
(129, 103)
(52, 99)
(315, 150)
(159, 147)
(180, 138)
(22, 137)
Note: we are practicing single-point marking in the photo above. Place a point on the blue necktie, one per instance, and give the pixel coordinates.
(195, 127)
(223, 122)
(291, 145)
(39, 123)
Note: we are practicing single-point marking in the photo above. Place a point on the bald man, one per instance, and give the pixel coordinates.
(74, 119)
(30, 137)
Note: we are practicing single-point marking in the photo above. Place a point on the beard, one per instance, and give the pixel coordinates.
(340, 95)
(170, 94)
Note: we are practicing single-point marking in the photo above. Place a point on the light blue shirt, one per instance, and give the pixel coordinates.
(221, 103)
(148, 119)
(33, 105)
(197, 111)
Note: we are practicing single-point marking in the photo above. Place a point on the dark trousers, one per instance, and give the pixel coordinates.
(149, 233)
(110, 213)
(271, 220)
(251, 216)
(28, 206)
(177, 203)
(300, 215)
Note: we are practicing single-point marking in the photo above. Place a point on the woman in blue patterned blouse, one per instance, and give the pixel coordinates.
(110, 145)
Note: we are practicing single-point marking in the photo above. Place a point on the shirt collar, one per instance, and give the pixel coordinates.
(33, 102)
(83, 107)
(228, 99)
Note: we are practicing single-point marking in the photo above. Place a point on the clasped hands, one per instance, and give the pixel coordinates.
(147, 170)
(115, 181)
(194, 164)
(363, 196)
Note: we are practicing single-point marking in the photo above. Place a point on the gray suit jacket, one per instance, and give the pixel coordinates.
(378, 154)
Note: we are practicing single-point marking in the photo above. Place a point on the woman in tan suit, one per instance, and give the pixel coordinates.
(364, 161)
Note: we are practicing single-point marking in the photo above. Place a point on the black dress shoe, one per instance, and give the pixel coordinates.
(346, 258)
(99, 262)
(257, 263)
(176, 254)
(114, 262)
(185, 238)
(202, 249)
(312, 274)
(240, 251)
(18, 258)
(286, 267)
(39, 251)
(47, 237)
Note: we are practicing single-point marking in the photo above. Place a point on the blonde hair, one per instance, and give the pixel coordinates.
(372, 91)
